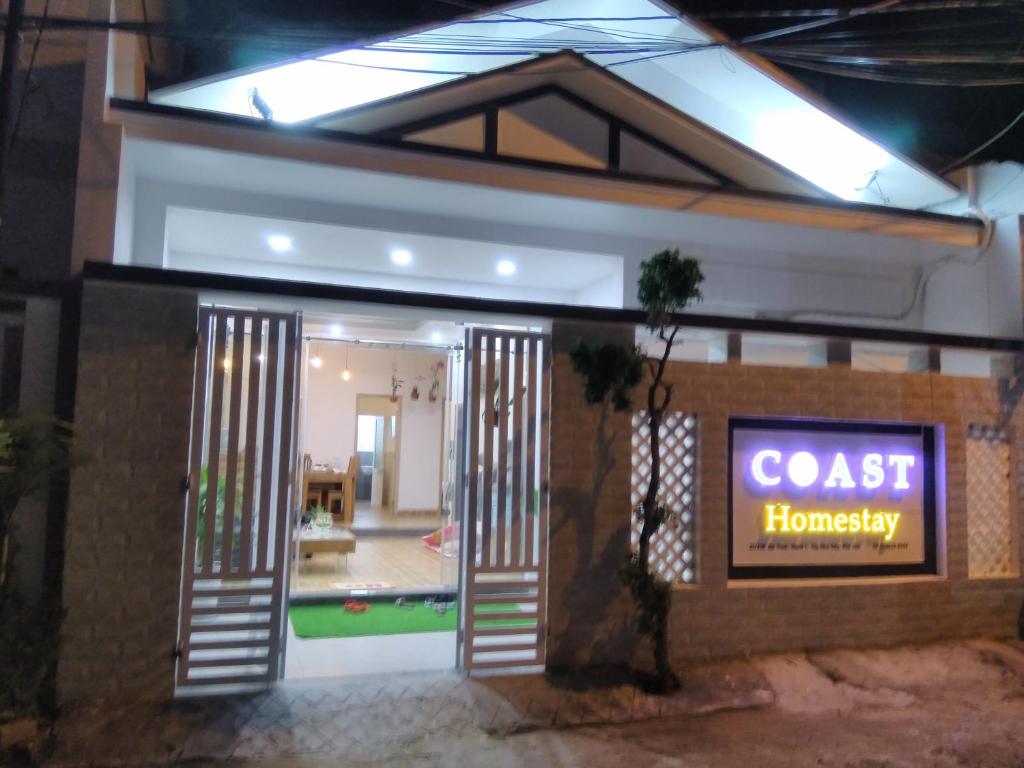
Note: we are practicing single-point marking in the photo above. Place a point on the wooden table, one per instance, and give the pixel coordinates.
(332, 540)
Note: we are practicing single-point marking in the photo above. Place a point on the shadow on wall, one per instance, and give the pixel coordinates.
(594, 603)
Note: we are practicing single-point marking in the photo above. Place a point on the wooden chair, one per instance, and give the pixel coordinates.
(336, 503)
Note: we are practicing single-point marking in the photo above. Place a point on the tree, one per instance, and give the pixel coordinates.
(668, 283)
(34, 451)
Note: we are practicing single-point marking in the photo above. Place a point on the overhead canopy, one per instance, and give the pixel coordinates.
(648, 44)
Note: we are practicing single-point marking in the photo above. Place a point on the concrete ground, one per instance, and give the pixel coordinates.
(948, 705)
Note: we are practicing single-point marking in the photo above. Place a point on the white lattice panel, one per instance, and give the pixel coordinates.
(989, 526)
(674, 545)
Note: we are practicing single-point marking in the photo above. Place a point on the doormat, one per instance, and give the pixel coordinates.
(383, 618)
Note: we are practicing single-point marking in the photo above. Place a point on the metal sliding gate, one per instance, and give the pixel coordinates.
(235, 564)
(505, 498)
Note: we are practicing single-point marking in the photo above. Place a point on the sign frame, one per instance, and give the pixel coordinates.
(929, 494)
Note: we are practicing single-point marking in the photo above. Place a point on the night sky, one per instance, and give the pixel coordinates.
(934, 124)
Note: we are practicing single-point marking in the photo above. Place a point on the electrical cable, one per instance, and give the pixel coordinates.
(988, 143)
(28, 75)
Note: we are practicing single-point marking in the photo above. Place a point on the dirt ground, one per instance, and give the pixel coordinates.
(950, 705)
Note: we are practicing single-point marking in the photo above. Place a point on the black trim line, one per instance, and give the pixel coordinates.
(271, 286)
(239, 121)
(492, 106)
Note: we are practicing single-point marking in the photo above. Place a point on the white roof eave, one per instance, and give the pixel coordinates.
(680, 61)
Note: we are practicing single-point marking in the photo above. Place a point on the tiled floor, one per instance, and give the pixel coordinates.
(376, 654)
(379, 562)
(377, 517)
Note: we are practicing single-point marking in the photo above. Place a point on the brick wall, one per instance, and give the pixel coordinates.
(714, 618)
(125, 516)
(589, 531)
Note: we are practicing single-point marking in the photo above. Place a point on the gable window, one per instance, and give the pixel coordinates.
(551, 125)
(550, 128)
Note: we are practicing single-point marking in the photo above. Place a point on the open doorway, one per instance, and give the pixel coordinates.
(375, 573)
(378, 428)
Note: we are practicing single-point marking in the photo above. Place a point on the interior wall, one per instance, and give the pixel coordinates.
(329, 429)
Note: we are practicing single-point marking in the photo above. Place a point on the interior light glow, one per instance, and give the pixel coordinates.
(279, 243)
(335, 330)
(436, 336)
(316, 361)
(401, 257)
(346, 375)
(822, 150)
(506, 267)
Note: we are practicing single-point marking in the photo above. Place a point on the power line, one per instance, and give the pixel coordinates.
(988, 143)
(851, 14)
(28, 74)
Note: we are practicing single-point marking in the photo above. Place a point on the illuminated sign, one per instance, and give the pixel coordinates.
(829, 498)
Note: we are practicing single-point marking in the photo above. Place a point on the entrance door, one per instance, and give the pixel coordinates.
(505, 501)
(232, 621)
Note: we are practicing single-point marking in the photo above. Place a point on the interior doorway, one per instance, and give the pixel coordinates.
(378, 428)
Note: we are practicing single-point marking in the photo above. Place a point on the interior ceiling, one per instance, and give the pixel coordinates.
(671, 57)
(246, 238)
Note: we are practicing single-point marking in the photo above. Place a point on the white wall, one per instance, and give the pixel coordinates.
(753, 268)
(329, 428)
(980, 293)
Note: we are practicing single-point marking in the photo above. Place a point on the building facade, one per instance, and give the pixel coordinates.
(862, 318)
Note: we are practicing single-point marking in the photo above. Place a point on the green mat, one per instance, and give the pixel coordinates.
(332, 620)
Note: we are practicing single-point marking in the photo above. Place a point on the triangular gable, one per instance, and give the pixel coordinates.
(538, 103)
(649, 44)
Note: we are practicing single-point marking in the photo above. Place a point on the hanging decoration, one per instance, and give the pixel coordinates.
(435, 385)
(346, 374)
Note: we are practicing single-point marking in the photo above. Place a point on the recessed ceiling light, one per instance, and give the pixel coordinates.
(436, 336)
(279, 243)
(506, 267)
(335, 330)
(401, 257)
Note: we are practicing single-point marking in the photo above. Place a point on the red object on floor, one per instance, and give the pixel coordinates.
(356, 606)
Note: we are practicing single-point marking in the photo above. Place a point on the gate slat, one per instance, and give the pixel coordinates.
(269, 423)
(531, 453)
(286, 468)
(234, 418)
(488, 468)
(543, 505)
(501, 511)
(251, 413)
(471, 467)
(516, 523)
(213, 457)
(195, 463)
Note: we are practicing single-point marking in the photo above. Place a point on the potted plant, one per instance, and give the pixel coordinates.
(396, 386)
(34, 452)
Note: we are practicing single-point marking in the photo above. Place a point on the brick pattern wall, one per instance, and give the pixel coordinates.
(716, 619)
(589, 523)
(126, 511)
